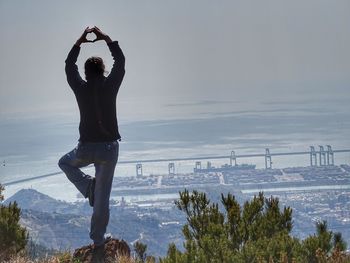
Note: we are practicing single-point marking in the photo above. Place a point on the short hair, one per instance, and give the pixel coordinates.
(94, 67)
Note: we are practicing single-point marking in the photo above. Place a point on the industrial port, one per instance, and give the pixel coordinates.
(318, 191)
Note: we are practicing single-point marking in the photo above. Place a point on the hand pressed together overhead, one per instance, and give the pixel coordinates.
(99, 36)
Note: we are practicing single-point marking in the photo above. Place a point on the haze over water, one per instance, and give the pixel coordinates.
(32, 146)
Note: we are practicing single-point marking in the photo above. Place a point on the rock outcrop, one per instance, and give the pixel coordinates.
(113, 247)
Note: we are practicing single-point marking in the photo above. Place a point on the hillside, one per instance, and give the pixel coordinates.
(61, 225)
(33, 200)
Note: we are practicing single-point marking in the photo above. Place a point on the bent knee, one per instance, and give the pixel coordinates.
(62, 162)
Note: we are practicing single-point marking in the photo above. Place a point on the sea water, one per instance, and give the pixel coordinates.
(32, 146)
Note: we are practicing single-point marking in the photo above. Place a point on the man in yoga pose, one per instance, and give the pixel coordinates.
(98, 143)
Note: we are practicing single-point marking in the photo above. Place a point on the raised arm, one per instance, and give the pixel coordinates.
(73, 77)
(117, 73)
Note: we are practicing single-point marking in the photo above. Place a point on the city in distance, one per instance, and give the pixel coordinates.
(318, 191)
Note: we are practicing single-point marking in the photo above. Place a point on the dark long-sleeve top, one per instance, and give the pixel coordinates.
(97, 99)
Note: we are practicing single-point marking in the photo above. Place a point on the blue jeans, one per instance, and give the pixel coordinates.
(104, 156)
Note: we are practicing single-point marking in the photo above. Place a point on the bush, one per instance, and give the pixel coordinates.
(13, 237)
(258, 231)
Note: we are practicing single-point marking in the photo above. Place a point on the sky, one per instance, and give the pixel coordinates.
(179, 54)
(202, 77)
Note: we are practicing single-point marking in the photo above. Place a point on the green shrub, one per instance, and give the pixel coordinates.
(258, 231)
(13, 237)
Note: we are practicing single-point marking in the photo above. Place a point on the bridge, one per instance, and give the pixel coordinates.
(321, 157)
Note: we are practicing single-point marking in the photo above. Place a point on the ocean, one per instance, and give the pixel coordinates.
(31, 146)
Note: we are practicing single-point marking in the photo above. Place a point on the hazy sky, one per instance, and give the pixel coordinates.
(178, 52)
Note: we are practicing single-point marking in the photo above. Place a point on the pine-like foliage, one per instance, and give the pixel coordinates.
(13, 237)
(258, 231)
(140, 250)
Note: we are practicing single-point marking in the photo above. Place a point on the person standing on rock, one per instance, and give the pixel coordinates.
(99, 136)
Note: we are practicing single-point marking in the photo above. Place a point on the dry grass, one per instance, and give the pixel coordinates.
(62, 258)
(67, 258)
